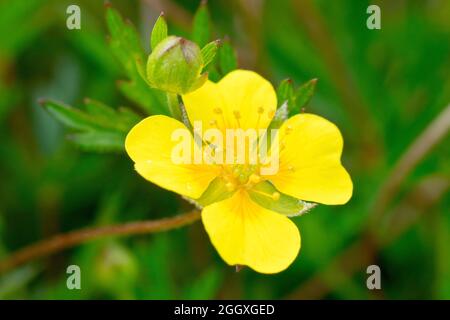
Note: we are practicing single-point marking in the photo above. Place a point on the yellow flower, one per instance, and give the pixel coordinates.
(243, 231)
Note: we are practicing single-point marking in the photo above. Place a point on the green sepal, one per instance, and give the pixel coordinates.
(262, 194)
(159, 31)
(285, 92)
(302, 96)
(209, 52)
(216, 191)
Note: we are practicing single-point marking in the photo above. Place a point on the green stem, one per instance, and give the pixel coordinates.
(174, 106)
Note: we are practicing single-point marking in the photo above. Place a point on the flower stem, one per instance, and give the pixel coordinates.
(73, 238)
(174, 106)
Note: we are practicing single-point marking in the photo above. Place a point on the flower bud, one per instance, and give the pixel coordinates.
(175, 66)
(115, 267)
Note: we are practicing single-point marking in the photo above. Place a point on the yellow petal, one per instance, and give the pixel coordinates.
(310, 165)
(246, 234)
(241, 99)
(149, 144)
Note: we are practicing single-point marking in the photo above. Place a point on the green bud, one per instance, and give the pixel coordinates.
(175, 66)
(115, 267)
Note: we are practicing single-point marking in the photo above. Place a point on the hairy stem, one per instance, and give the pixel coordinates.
(174, 106)
(68, 240)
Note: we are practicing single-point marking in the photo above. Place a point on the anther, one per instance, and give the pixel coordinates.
(260, 110)
(276, 196)
(288, 129)
(213, 122)
(291, 168)
(254, 178)
(230, 186)
(217, 111)
(271, 113)
(237, 114)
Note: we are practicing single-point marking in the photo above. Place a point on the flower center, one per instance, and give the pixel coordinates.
(241, 176)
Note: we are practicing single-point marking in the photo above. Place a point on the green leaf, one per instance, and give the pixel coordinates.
(227, 58)
(264, 195)
(201, 30)
(71, 117)
(159, 31)
(100, 127)
(124, 40)
(122, 120)
(302, 96)
(126, 46)
(209, 52)
(99, 141)
(99, 110)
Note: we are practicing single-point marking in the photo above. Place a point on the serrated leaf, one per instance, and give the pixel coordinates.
(100, 110)
(263, 194)
(209, 52)
(125, 40)
(71, 117)
(100, 141)
(201, 30)
(100, 127)
(122, 119)
(159, 31)
(302, 96)
(227, 58)
(126, 46)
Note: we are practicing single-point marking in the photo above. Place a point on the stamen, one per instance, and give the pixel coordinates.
(230, 186)
(291, 168)
(276, 196)
(271, 114)
(288, 129)
(254, 178)
(237, 115)
(219, 111)
(260, 112)
(213, 123)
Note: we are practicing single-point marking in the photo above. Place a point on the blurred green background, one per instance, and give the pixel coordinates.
(381, 87)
